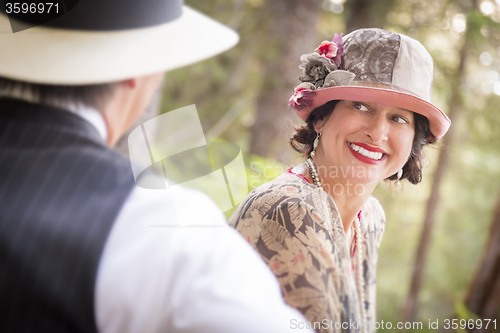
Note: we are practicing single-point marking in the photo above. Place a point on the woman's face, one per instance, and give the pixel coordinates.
(365, 142)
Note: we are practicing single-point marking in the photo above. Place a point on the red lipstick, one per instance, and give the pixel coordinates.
(370, 148)
(367, 147)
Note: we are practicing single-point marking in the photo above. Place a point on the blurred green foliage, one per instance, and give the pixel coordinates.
(232, 82)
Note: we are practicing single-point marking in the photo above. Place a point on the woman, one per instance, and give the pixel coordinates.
(366, 105)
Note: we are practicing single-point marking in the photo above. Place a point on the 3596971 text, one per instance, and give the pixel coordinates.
(470, 324)
(31, 7)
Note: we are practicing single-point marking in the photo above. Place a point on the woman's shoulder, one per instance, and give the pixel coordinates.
(267, 198)
(373, 206)
(283, 205)
(288, 185)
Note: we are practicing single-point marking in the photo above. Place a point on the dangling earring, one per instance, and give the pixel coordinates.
(315, 144)
(400, 173)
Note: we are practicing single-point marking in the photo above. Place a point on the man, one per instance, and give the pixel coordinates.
(76, 250)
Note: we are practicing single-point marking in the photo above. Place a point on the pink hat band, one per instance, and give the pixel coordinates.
(371, 65)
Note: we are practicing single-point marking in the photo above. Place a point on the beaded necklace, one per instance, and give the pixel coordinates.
(357, 225)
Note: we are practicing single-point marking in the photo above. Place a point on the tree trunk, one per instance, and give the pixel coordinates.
(410, 307)
(483, 296)
(292, 32)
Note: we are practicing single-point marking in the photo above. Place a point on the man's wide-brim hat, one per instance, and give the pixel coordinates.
(370, 65)
(99, 41)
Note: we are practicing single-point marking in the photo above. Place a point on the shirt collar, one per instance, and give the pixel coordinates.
(92, 116)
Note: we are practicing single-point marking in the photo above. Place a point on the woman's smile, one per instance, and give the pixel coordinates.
(366, 153)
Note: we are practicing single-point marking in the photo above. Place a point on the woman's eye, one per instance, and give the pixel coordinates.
(399, 120)
(360, 107)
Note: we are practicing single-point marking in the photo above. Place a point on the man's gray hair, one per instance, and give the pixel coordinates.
(59, 96)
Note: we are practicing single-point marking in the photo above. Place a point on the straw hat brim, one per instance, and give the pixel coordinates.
(438, 121)
(73, 57)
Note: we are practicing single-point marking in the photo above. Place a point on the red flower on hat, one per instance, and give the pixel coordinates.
(302, 96)
(328, 49)
(332, 50)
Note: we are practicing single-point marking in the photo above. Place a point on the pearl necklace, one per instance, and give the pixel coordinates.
(357, 225)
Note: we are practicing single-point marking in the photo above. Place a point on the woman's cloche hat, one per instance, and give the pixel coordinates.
(370, 65)
(100, 41)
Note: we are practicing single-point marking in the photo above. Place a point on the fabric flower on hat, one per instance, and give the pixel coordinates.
(327, 49)
(316, 68)
(338, 78)
(320, 70)
(337, 59)
(332, 50)
(302, 96)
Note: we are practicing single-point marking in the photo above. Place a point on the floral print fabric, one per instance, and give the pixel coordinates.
(288, 222)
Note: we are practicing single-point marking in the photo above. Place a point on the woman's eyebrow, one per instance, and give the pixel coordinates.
(405, 111)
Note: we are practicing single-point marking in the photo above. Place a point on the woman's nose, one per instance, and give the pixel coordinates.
(377, 129)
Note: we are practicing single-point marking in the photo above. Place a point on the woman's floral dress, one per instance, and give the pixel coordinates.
(288, 222)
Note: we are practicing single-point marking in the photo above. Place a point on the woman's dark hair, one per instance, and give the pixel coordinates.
(303, 138)
(94, 95)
